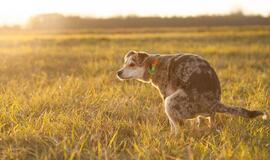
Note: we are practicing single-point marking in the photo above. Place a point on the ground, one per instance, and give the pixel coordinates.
(60, 98)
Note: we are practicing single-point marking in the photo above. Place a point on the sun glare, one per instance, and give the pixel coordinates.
(18, 12)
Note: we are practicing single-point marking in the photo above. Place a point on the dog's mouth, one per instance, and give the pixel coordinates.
(119, 75)
(123, 78)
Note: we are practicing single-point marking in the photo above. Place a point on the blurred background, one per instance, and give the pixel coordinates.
(61, 14)
(60, 98)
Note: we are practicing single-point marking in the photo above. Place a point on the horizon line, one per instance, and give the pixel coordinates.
(239, 12)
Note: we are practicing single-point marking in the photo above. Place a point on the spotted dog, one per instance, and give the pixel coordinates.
(187, 83)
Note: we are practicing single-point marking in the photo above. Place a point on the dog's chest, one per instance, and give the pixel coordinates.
(169, 90)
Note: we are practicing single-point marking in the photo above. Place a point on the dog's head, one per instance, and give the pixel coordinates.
(134, 66)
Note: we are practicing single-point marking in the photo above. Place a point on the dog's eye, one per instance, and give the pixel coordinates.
(131, 65)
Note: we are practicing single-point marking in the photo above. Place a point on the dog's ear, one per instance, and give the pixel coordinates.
(141, 57)
(129, 54)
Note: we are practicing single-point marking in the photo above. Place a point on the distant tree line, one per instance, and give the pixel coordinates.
(58, 21)
(10, 28)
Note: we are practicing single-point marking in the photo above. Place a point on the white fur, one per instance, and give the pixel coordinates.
(133, 72)
(264, 116)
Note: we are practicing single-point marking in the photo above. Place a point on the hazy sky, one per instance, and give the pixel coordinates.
(18, 11)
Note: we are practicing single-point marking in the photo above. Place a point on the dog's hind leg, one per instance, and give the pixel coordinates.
(174, 127)
(176, 108)
(211, 120)
(173, 119)
(198, 121)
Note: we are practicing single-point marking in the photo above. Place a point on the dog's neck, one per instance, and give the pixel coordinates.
(157, 73)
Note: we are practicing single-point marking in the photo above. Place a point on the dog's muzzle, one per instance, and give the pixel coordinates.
(119, 73)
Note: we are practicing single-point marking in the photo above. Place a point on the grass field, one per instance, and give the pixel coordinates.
(60, 98)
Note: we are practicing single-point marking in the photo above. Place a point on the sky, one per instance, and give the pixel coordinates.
(19, 11)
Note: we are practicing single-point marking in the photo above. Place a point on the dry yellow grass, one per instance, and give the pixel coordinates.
(60, 99)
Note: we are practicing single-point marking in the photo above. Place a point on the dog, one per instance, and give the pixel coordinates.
(187, 83)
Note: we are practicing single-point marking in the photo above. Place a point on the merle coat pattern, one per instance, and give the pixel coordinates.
(188, 84)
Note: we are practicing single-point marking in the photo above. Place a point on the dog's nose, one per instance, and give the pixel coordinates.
(119, 72)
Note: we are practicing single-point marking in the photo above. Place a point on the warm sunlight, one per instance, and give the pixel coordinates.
(17, 12)
(72, 71)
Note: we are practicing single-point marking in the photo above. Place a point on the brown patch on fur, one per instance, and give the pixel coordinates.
(188, 84)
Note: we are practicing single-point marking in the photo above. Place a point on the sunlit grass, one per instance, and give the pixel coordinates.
(60, 99)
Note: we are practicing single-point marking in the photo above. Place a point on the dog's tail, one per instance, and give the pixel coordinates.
(239, 111)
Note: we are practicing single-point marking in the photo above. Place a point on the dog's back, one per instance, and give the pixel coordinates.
(195, 75)
(187, 82)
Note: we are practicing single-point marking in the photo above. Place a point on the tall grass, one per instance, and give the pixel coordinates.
(60, 99)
